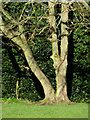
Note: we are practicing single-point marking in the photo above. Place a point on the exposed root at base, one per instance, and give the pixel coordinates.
(55, 102)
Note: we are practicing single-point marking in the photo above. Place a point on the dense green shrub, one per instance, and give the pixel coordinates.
(80, 82)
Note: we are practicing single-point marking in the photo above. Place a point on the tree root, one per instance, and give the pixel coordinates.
(53, 102)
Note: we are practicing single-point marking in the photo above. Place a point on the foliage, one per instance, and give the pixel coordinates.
(80, 83)
(14, 100)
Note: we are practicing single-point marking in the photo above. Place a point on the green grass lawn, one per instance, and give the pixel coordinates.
(19, 110)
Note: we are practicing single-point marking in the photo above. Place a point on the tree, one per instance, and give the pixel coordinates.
(60, 61)
(17, 35)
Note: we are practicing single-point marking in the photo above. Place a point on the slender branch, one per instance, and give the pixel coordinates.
(8, 16)
(9, 34)
(23, 10)
(86, 5)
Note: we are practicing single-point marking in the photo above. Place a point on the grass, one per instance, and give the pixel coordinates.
(22, 110)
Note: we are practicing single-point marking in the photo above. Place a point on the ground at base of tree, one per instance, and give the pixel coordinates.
(24, 110)
(53, 102)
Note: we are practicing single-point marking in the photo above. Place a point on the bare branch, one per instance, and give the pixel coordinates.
(86, 5)
(8, 16)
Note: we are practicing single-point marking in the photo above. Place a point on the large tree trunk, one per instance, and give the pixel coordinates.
(53, 40)
(60, 61)
(21, 41)
(48, 90)
(61, 77)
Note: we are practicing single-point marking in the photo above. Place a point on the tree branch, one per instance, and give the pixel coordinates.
(8, 16)
(86, 5)
(9, 34)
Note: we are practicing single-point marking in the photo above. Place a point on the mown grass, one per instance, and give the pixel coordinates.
(22, 110)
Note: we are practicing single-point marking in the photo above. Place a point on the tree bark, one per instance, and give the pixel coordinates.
(53, 40)
(17, 90)
(60, 61)
(21, 41)
(61, 77)
(48, 90)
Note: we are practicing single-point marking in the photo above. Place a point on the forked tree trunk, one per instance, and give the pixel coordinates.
(60, 61)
